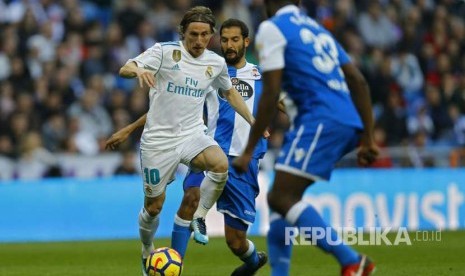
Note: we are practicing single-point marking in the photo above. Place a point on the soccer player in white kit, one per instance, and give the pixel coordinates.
(180, 74)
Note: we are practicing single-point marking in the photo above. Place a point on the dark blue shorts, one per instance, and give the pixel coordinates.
(237, 201)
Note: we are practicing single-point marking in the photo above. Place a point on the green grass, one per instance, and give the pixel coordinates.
(114, 258)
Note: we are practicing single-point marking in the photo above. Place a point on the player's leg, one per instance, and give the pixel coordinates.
(279, 251)
(320, 147)
(244, 249)
(181, 228)
(285, 198)
(214, 161)
(148, 222)
(158, 170)
(237, 203)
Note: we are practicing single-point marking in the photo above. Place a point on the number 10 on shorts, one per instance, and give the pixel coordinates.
(152, 176)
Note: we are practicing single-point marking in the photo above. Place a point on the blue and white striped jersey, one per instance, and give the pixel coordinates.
(226, 126)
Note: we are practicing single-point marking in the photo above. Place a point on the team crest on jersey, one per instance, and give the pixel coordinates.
(148, 189)
(255, 72)
(209, 72)
(176, 55)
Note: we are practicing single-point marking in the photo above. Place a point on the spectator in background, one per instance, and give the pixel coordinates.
(458, 120)
(54, 132)
(393, 119)
(376, 28)
(52, 50)
(128, 164)
(384, 160)
(438, 113)
(418, 153)
(458, 97)
(407, 73)
(234, 9)
(35, 161)
(94, 122)
(421, 122)
(130, 15)
(143, 39)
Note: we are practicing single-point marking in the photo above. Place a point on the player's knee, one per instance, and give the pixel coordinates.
(220, 166)
(218, 177)
(276, 203)
(153, 209)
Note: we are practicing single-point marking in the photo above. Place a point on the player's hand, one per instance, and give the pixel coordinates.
(117, 138)
(367, 154)
(266, 134)
(241, 163)
(145, 77)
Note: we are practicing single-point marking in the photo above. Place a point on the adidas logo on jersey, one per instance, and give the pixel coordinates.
(175, 67)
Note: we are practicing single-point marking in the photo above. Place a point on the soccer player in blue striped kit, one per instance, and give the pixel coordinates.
(333, 115)
(237, 202)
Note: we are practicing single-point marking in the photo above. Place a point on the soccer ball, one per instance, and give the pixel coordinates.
(164, 261)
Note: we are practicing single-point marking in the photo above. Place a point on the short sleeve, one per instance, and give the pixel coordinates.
(150, 59)
(223, 80)
(270, 44)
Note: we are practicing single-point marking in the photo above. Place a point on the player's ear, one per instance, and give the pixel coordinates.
(246, 41)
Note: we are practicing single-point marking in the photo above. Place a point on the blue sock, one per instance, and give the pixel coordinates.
(250, 257)
(304, 215)
(278, 251)
(180, 235)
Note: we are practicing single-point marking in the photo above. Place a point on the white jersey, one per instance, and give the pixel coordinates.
(181, 85)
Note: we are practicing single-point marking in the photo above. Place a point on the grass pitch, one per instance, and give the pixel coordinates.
(438, 257)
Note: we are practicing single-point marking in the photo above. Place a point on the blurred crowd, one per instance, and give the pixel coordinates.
(60, 91)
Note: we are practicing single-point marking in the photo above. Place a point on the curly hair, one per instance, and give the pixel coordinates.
(197, 14)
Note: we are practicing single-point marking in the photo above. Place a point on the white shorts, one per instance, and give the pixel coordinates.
(159, 166)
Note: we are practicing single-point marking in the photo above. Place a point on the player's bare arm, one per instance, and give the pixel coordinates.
(237, 102)
(122, 135)
(266, 110)
(131, 70)
(360, 94)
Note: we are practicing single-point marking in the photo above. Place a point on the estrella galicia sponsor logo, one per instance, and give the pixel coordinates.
(244, 88)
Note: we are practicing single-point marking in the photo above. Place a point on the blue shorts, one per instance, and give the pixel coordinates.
(237, 202)
(312, 150)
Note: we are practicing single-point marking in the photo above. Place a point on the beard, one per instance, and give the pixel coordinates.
(234, 60)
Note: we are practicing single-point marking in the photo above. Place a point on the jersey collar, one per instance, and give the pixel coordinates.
(288, 9)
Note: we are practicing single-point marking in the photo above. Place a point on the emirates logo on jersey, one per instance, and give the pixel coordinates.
(244, 88)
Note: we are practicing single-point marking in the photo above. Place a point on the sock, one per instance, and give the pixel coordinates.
(180, 235)
(304, 215)
(250, 257)
(147, 227)
(278, 251)
(210, 190)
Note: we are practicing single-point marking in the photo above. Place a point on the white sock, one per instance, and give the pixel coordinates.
(147, 227)
(249, 251)
(210, 190)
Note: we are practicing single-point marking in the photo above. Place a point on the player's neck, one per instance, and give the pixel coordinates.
(241, 63)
